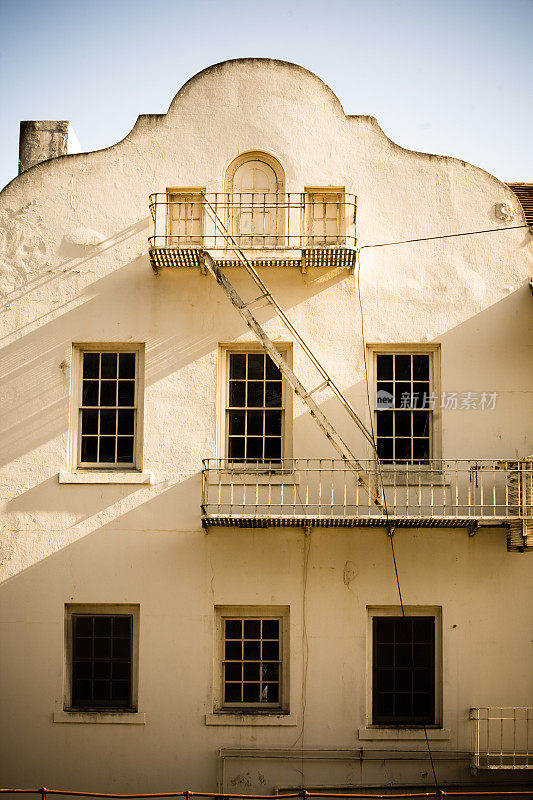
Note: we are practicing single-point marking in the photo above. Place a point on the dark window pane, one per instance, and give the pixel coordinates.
(121, 669)
(256, 366)
(89, 421)
(109, 365)
(108, 422)
(273, 396)
(251, 692)
(270, 693)
(102, 648)
(272, 449)
(420, 423)
(420, 368)
(270, 629)
(121, 648)
(83, 647)
(403, 706)
(125, 450)
(83, 625)
(232, 692)
(81, 692)
(102, 626)
(402, 368)
(233, 672)
(251, 651)
(420, 449)
(385, 449)
(91, 363)
(126, 393)
(106, 450)
(254, 449)
(255, 395)
(251, 672)
(424, 629)
(384, 367)
(385, 679)
(403, 680)
(122, 625)
(273, 423)
(403, 395)
(236, 422)
(237, 394)
(270, 672)
(89, 449)
(383, 706)
(101, 692)
(236, 448)
(255, 423)
(237, 365)
(126, 422)
(403, 450)
(272, 371)
(270, 651)
(384, 655)
(252, 628)
(402, 421)
(90, 393)
(102, 669)
(233, 651)
(422, 389)
(120, 693)
(384, 423)
(423, 707)
(82, 670)
(126, 365)
(108, 393)
(233, 629)
(385, 630)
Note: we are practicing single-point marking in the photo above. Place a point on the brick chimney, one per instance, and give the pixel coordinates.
(41, 140)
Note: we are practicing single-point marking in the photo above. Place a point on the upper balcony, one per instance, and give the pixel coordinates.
(314, 228)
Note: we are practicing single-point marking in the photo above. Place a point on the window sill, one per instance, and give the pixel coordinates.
(109, 476)
(223, 718)
(95, 717)
(403, 733)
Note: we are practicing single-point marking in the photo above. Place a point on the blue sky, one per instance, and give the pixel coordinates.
(441, 76)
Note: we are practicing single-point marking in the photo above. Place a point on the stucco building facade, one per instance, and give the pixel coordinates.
(198, 590)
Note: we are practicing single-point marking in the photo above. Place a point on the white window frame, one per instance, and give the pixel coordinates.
(100, 608)
(225, 349)
(410, 611)
(78, 349)
(411, 348)
(280, 613)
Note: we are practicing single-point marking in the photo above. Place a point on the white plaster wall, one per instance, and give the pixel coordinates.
(74, 268)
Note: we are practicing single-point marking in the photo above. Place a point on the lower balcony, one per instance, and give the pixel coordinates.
(502, 738)
(328, 493)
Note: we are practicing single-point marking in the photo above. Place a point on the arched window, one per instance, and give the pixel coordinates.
(255, 183)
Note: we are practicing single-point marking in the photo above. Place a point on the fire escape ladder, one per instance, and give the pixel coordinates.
(268, 345)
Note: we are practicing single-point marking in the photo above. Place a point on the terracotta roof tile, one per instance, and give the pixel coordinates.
(524, 192)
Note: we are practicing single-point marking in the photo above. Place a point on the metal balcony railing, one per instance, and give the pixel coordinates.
(281, 226)
(326, 492)
(502, 737)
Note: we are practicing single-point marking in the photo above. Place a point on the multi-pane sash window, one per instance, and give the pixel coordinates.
(324, 212)
(107, 414)
(403, 670)
(101, 661)
(254, 411)
(185, 218)
(251, 667)
(404, 407)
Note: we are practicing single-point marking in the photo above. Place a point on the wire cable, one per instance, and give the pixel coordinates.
(446, 236)
(390, 530)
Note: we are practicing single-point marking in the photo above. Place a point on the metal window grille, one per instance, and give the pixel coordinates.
(252, 661)
(254, 411)
(403, 671)
(107, 412)
(403, 407)
(101, 661)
